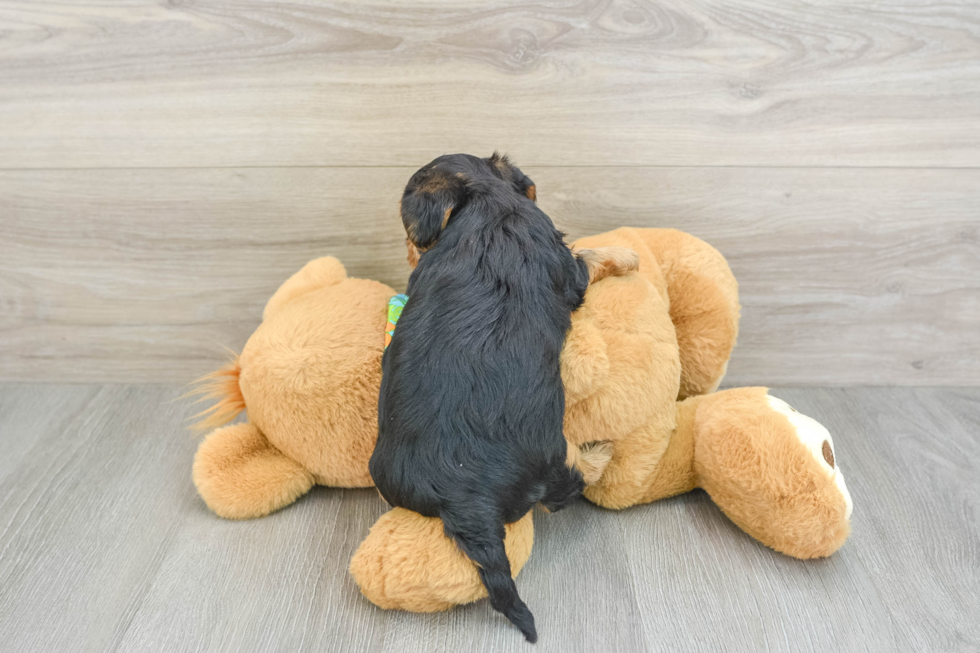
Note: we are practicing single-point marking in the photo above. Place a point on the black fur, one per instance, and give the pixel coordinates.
(471, 405)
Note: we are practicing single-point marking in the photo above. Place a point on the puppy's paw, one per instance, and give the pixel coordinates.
(609, 262)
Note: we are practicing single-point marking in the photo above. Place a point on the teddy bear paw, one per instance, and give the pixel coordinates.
(605, 262)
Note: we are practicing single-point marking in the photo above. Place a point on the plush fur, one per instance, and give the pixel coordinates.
(310, 378)
(802, 482)
(403, 562)
(238, 472)
(300, 382)
(471, 404)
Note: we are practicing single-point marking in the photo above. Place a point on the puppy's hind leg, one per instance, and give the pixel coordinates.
(605, 262)
(564, 486)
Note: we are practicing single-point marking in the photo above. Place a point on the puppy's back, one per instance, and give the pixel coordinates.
(471, 405)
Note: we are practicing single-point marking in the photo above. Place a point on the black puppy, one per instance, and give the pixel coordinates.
(471, 405)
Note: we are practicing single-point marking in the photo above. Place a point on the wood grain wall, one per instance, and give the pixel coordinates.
(165, 165)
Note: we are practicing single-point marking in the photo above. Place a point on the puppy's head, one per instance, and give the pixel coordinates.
(440, 189)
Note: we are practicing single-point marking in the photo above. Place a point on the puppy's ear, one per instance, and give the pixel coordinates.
(428, 203)
(507, 170)
(526, 186)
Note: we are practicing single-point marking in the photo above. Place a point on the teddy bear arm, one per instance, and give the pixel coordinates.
(318, 273)
(240, 475)
(704, 308)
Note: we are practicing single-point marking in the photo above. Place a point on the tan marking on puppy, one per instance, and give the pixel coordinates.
(434, 184)
(532, 193)
(609, 262)
(413, 253)
(410, 229)
(445, 217)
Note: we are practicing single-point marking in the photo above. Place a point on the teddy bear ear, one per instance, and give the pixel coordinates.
(584, 361)
(318, 273)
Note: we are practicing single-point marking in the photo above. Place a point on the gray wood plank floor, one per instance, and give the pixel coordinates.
(104, 545)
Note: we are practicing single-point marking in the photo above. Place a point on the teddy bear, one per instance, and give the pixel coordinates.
(644, 418)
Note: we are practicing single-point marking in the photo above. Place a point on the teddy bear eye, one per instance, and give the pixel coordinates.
(828, 453)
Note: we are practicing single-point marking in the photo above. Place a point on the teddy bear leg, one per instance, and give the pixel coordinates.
(407, 563)
(772, 470)
(241, 476)
(318, 273)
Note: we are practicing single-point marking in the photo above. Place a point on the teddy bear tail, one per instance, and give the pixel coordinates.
(222, 385)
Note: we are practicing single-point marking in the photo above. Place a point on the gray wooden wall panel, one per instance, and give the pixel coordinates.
(164, 166)
(316, 82)
(848, 276)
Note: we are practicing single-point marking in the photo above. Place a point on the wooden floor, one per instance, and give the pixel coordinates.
(104, 545)
(164, 165)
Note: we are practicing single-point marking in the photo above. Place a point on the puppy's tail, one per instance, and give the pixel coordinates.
(483, 542)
